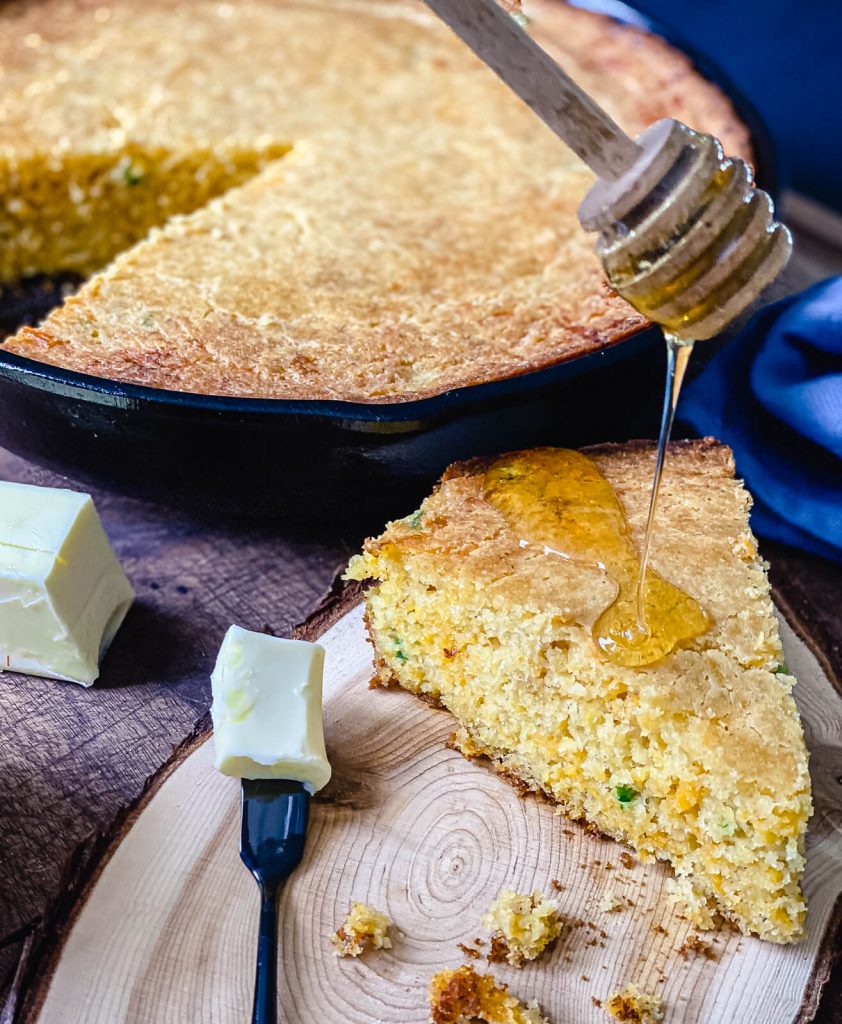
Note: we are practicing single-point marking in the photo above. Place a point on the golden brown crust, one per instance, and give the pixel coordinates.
(455, 996)
(389, 257)
(703, 455)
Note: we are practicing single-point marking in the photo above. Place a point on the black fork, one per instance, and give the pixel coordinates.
(273, 831)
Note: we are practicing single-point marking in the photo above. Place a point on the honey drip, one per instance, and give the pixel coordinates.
(678, 356)
(559, 499)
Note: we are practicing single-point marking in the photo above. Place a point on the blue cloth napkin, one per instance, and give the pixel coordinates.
(774, 394)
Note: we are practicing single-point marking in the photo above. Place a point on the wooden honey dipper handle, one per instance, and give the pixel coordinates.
(501, 43)
(650, 193)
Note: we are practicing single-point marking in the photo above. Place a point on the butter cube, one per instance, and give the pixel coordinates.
(267, 709)
(63, 594)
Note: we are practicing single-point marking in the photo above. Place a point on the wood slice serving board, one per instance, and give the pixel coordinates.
(164, 932)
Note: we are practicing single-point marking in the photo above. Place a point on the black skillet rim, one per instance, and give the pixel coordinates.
(417, 413)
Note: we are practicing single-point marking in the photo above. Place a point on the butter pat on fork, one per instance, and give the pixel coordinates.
(267, 709)
(267, 718)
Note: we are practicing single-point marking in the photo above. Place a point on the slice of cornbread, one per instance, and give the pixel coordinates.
(464, 997)
(698, 759)
(408, 243)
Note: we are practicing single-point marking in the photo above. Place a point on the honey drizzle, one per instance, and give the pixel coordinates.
(678, 356)
(558, 499)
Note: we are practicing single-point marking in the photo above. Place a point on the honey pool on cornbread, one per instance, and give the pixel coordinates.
(558, 499)
(697, 757)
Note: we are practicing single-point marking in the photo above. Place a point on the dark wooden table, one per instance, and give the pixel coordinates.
(71, 760)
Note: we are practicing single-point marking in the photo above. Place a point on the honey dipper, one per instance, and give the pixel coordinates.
(684, 235)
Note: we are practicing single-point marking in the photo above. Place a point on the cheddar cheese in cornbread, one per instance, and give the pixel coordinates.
(696, 757)
(403, 223)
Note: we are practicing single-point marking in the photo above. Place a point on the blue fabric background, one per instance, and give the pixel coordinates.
(786, 57)
(774, 394)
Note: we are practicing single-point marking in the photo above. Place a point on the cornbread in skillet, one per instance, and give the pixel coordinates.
(697, 758)
(115, 116)
(420, 233)
(463, 996)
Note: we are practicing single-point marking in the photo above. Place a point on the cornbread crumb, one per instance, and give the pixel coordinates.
(627, 860)
(464, 997)
(498, 951)
(684, 894)
(693, 944)
(521, 926)
(636, 1007)
(470, 951)
(611, 903)
(365, 928)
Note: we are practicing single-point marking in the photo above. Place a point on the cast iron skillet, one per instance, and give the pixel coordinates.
(257, 456)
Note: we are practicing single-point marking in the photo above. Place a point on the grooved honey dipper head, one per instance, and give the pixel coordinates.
(685, 237)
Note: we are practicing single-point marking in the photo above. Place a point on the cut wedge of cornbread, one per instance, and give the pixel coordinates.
(698, 758)
(421, 235)
(463, 996)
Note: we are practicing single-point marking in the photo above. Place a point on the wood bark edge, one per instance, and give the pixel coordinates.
(82, 872)
(43, 949)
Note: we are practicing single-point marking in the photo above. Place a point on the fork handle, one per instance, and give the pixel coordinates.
(266, 982)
